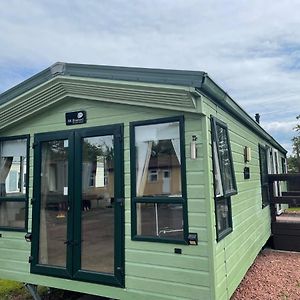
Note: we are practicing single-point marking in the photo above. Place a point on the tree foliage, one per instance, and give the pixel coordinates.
(294, 159)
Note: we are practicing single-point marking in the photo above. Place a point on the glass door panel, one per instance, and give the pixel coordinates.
(53, 203)
(77, 209)
(97, 216)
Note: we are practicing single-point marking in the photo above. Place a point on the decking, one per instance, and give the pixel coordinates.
(285, 226)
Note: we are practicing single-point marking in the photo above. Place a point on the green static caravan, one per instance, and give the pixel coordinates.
(131, 183)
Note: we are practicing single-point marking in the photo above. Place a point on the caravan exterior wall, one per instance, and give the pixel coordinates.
(115, 199)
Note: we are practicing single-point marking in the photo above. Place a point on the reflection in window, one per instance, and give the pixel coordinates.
(13, 168)
(225, 160)
(97, 227)
(13, 182)
(98, 168)
(224, 177)
(223, 216)
(157, 148)
(12, 214)
(158, 174)
(160, 220)
(263, 164)
(153, 175)
(54, 202)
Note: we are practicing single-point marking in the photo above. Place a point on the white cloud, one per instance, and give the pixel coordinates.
(279, 126)
(251, 48)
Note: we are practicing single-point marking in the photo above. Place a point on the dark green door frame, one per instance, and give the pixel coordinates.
(73, 263)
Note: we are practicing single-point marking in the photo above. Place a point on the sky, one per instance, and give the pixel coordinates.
(250, 48)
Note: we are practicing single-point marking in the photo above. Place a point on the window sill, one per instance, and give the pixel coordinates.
(158, 240)
(223, 234)
(13, 229)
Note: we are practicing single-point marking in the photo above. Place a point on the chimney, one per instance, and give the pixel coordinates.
(257, 117)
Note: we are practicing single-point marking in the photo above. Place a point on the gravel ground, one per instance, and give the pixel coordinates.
(274, 275)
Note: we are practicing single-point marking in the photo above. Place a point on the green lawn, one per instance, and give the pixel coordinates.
(293, 209)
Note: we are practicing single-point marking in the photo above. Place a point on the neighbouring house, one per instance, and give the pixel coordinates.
(131, 183)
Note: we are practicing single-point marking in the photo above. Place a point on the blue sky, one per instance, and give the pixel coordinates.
(250, 48)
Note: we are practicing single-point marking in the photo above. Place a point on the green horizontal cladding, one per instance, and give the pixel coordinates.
(251, 224)
(222, 99)
(152, 270)
(208, 271)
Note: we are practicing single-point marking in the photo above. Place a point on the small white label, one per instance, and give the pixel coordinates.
(65, 191)
(66, 143)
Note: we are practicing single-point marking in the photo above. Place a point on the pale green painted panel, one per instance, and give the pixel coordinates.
(251, 224)
(195, 262)
(170, 274)
(180, 290)
(200, 256)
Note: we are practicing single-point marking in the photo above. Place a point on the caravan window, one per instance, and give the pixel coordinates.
(224, 177)
(158, 180)
(263, 164)
(13, 182)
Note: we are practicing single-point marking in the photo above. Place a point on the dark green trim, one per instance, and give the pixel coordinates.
(116, 279)
(36, 206)
(216, 122)
(24, 198)
(73, 263)
(221, 234)
(227, 231)
(262, 150)
(179, 200)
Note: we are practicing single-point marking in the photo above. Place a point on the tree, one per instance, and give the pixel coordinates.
(294, 159)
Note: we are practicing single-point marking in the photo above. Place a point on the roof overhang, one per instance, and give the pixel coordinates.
(168, 89)
(62, 88)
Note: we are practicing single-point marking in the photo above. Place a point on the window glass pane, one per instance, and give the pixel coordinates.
(97, 227)
(158, 150)
(12, 214)
(160, 220)
(13, 168)
(54, 203)
(225, 159)
(222, 215)
(217, 173)
(263, 163)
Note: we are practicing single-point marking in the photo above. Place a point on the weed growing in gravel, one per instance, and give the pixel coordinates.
(284, 296)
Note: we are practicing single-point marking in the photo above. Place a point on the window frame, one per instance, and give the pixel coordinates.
(264, 185)
(24, 198)
(226, 196)
(216, 122)
(149, 179)
(160, 199)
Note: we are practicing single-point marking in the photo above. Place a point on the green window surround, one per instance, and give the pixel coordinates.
(263, 164)
(14, 168)
(224, 177)
(158, 181)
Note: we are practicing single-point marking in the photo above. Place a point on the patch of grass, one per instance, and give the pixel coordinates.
(293, 209)
(12, 290)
